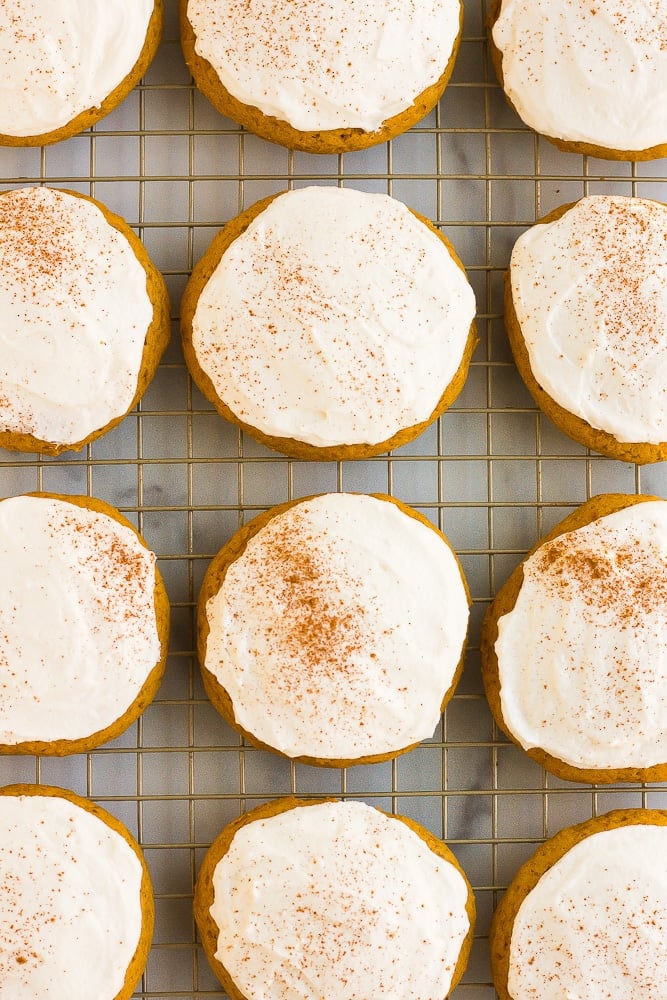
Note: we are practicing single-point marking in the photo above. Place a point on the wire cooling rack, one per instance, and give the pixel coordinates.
(492, 474)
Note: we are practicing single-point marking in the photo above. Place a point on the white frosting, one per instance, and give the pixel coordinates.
(61, 57)
(337, 900)
(336, 318)
(590, 294)
(583, 655)
(587, 72)
(74, 313)
(326, 64)
(79, 634)
(338, 631)
(70, 910)
(595, 925)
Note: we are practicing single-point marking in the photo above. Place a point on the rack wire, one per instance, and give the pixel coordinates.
(492, 473)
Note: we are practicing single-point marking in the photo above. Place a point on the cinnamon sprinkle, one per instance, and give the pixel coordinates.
(38, 248)
(626, 299)
(611, 574)
(117, 567)
(320, 628)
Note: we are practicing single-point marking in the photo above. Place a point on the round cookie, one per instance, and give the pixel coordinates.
(324, 76)
(318, 887)
(84, 320)
(76, 910)
(85, 624)
(586, 316)
(60, 73)
(329, 323)
(587, 914)
(589, 77)
(573, 644)
(332, 629)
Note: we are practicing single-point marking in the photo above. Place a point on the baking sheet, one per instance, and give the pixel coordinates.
(492, 473)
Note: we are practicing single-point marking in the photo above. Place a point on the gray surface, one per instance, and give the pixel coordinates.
(493, 474)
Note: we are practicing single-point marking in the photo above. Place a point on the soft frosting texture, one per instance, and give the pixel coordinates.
(337, 900)
(336, 318)
(61, 57)
(590, 294)
(338, 631)
(74, 313)
(79, 634)
(70, 910)
(595, 925)
(587, 72)
(583, 655)
(326, 64)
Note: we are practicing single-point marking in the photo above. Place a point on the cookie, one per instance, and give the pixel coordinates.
(325, 76)
(588, 76)
(329, 323)
(587, 914)
(61, 73)
(84, 320)
(586, 316)
(332, 629)
(302, 892)
(573, 644)
(85, 624)
(76, 910)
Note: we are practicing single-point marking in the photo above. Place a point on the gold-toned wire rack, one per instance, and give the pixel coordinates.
(492, 473)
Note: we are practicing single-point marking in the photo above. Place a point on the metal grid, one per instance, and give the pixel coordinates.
(492, 473)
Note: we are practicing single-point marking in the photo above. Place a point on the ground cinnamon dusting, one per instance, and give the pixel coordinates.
(117, 567)
(617, 236)
(320, 627)
(614, 576)
(19, 926)
(38, 247)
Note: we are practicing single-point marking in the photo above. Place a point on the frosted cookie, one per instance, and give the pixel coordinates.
(588, 76)
(334, 893)
(76, 908)
(586, 315)
(586, 916)
(325, 76)
(332, 629)
(84, 320)
(62, 71)
(329, 323)
(574, 645)
(85, 623)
